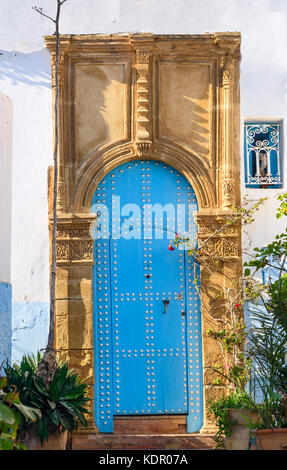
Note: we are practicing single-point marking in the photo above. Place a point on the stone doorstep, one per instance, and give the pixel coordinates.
(143, 441)
(175, 424)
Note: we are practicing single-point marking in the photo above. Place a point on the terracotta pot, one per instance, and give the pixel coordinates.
(271, 439)
(239, 439)
(56, 440)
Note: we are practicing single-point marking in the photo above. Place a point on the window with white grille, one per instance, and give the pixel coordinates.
(262, 154)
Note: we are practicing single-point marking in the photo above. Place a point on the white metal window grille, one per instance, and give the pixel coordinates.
(262, 155)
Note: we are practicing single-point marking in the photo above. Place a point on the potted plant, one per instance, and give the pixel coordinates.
(271, 431)
(62, 402)
(234, 415)
(13, 414)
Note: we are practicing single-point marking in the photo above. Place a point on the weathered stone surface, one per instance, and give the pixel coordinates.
(150, 425)
(75, 289)
(62, 332)
(71, 306)
(79, 273)
(79, 332)
(214, 392)
(74, 282)
(212, 354)
(189, 79)
(210, 376)
(186, 87)
(146, 442)
(83, 362)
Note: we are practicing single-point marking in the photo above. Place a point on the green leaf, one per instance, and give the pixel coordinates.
(40, 387)
(21, 446)
(69, 406)
(3, 382)
(66, 423)
(58, 382)
(71, 395)
(29, 413)
(43, 429)
(52, 404)
(6, 414)
(55, 416)
(75, 411)
(6, 443)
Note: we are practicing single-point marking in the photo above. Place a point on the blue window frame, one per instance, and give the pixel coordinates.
(262, 154)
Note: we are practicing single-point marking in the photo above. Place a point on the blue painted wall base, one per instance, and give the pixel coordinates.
(30, 326)
(5, 321)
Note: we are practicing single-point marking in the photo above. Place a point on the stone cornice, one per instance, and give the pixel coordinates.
(205, 44)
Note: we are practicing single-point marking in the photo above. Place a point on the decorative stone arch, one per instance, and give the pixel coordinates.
(173, 98)
(99, 165)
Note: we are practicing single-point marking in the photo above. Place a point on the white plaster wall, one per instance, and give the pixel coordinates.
(6, 116)
(25, 78)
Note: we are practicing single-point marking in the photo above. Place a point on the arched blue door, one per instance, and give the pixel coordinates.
(147, 324)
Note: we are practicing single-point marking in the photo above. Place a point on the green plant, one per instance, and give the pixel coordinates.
(261, 345)
(268, 329)
(268, 348)
(62, 402)
(278, 300)
(235, 368)
(12, 414)
(225, 310)
(219, 409)
(282, 209)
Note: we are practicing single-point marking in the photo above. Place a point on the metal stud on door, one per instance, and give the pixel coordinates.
(146, 310)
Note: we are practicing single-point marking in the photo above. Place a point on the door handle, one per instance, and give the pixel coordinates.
(166, 302)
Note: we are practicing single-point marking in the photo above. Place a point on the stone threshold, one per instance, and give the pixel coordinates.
(142, 442)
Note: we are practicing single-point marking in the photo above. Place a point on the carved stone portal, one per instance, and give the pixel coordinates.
(122, 97)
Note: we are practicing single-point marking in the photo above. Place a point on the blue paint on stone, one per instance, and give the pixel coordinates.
(30, 326)
(5, 321)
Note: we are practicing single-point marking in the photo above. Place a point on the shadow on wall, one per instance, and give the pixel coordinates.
(33, 69)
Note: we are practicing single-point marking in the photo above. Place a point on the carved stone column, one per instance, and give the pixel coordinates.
(227, 76)
(61, 190)
(219, 248)
(143, 121)
(74, 296)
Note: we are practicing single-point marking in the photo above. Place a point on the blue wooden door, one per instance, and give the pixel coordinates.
(146, 305)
